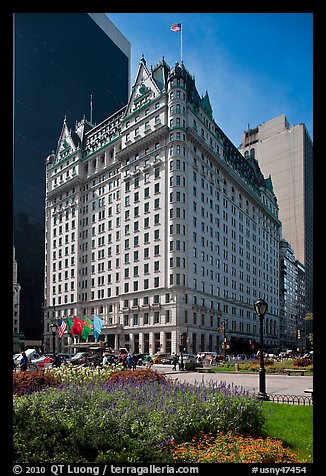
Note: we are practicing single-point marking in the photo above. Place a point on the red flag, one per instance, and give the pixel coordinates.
(77, 327)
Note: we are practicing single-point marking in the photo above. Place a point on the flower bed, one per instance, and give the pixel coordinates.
(232, 449)
(104, 421)
(28, 382)
(93, 415)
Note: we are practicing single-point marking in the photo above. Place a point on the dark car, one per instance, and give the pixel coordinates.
(112, 358)
(166, 360)
(79, 358)
(65, 358)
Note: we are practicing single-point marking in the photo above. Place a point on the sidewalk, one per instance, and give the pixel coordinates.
(275, 383)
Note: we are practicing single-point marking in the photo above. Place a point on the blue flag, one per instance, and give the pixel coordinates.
(97, 326)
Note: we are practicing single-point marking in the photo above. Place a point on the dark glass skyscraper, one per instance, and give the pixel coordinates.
(66, 65)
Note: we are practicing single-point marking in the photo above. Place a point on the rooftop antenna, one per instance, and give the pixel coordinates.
(91, 109)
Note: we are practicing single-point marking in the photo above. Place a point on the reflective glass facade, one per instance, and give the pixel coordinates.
(60, 61)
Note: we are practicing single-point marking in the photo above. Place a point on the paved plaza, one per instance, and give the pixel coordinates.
(275, 383)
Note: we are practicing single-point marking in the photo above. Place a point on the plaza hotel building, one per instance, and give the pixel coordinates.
(155, 222)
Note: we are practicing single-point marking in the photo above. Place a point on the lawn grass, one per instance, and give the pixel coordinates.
(293, 424)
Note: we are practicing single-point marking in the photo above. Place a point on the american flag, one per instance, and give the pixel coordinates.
(176, 27)
(62, 327)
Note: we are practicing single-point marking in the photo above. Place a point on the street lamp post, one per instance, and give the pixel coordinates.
(53, 327)
(224, 340)
(181, 352)
(261, 308)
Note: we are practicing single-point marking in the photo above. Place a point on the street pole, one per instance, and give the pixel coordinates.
(224, 341)
(261, 308)
(53, 327)
(181, 352)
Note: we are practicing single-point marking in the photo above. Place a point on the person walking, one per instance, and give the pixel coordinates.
(134, 361)
(129, 361)
(175, 360)
(180, 362)
(124, 362)
(23, 362)
(148, 361)
(105, 359)
(57, 360)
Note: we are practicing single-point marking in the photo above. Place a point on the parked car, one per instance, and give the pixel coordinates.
(188, 358)
(42, 362)
(66, 358)
(112, 358)
(158, 357)
(79, 358)
(140, 359)
(166, 360)
(31, 355)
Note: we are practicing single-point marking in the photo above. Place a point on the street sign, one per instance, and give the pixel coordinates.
(19, 334)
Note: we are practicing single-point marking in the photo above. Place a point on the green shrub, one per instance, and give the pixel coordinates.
(125, 420)
(192, 365)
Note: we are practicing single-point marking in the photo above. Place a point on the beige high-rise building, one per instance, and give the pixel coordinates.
(158, 225)
(286, 154)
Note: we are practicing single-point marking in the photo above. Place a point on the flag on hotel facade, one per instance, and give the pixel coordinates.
(62, 326)
(97, 326)
(87, 327)
(77, 327)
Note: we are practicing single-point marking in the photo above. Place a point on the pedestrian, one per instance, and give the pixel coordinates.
(180, 362)
(134, 362)
(175, 360)
(124, 361)
(148, 361)
(57, 360)
(130, 361)
(105, 359)
(23, 362)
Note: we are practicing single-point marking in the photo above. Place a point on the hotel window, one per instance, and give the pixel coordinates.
(167, 316)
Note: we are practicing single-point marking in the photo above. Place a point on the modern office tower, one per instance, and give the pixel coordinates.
(286, 153)
(292, 300)
(66, 64)
(158, 225)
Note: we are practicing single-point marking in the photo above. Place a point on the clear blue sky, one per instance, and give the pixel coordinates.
(254, 66)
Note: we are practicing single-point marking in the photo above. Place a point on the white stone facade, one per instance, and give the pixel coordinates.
(158, 225)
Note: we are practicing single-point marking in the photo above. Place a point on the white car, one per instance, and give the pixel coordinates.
(31, 355)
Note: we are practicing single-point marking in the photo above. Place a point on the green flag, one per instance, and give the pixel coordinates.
(70, 323)
(88, 326)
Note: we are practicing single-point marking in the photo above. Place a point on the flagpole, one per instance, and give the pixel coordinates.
(181, 41)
